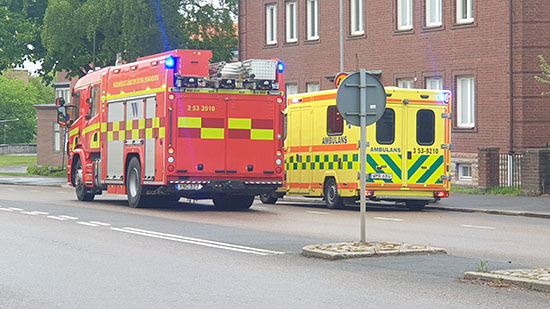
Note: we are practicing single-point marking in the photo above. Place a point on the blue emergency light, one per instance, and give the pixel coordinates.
(170, 62)
(280, 67)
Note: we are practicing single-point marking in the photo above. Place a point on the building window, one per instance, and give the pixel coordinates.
(385, 128)
(335, 122)
(64, 93)
(433, 13)
(56, 137)
(291, 22)
(464, 11)
(465, 97)
(312, 19)
(405, 83)
(404, 14)
(425, 127)
(465, 172)
(271, 24)
(312, 87)
(434, 83)
(291, 89)
(357, 19)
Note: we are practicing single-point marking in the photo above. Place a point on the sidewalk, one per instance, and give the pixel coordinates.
(492, 204)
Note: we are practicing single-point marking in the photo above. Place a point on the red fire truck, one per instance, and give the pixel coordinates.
(172, 125)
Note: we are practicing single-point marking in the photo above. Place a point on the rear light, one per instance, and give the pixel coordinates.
(278, 170)
(170, 168)
(171, 159)
(171, 150)
(278, 161)
(441, 194)
(279, 100)
(370, 193)
(171, 97)
(278, 153)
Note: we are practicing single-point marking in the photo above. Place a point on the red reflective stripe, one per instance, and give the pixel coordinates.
(262, 124)
(213, 123)
(190, 133)
(238, 133)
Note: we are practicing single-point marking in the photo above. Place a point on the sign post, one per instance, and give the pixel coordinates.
(361, 99)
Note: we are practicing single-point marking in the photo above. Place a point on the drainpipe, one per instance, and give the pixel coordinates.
(511, 31)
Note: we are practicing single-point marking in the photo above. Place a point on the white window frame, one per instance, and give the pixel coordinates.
(271, 24)
(404, 21)
(407, 83)
(468, 7)
(434, 81)
(291, 88)
(465, 101)
(65, 93)
(462, 168)
(312, 19)
(291, 21)
(434, 6)
(357, 17)
(313, 87)
(56, 137)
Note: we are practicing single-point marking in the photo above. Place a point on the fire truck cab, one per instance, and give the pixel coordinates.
(172, 125)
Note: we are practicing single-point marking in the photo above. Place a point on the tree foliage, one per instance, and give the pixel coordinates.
(134, 28)
(545, 79)
(20, 26)
(16, 101)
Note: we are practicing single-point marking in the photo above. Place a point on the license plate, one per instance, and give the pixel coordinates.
(188, 186)
(376, 176)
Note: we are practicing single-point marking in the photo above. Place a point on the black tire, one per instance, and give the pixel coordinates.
(230, 202)
(332, 199)
(268, 198)
(81, 190)
(133, 185)
(415, 205)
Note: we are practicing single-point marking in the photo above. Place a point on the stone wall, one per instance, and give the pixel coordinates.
(17, 149)
(535, 179)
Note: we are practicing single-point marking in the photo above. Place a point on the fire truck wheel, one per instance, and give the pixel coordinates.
(133, 184)
(268, 198)
(415, 205)
(81, 191)
(332, 199)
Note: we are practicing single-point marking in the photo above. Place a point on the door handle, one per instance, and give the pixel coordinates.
(409, 155)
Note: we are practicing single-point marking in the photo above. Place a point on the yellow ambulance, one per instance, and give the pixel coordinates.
(408, 150)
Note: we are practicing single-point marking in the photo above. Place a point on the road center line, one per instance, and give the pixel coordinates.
(16, 209)
(68, 217)
(86, 223)
(198, 241)
(5, 209)
(478, 227)
(32, 213)
(388, 219)
(317, 212)
(57, 218)
(100, 223)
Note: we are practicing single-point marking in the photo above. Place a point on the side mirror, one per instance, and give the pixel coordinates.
(60, 101)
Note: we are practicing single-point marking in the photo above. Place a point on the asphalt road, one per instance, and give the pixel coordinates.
(58, 252)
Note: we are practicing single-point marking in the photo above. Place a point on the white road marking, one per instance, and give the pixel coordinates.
(317, 212)
(86, 223)
(197, 241)
(57, 218)
(32, 213)
(68, 217)
(388, 219)
(100, 223)
(479, 227)
(10, 189)
(41, 213)
(5, 209)
(13, 208)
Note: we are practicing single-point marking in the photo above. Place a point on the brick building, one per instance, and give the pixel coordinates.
(485, 52)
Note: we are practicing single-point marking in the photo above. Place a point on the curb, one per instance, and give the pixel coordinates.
(536, 285)
(492, 211)
(340, 251)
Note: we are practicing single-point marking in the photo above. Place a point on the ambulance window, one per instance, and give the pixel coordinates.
(335, 122)
(385, 128)
(425, 127)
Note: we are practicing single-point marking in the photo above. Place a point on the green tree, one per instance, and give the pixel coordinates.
(20, 26)
(16, 101)
(545, 79)
(134, 28)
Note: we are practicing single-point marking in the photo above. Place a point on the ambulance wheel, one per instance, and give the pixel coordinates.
(81, 191)
(415, 205)
(268, 198)
(133, 185)
(332, 199)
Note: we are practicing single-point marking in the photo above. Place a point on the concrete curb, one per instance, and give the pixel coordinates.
(492, 211)
(348, 250)
(532, 284)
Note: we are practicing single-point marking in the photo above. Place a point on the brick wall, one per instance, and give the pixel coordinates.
(537, 180)
(481, 49)
(45, 153)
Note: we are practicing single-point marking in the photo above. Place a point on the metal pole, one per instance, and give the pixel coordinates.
(341, 35)
(363, 151)
(5, 133)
